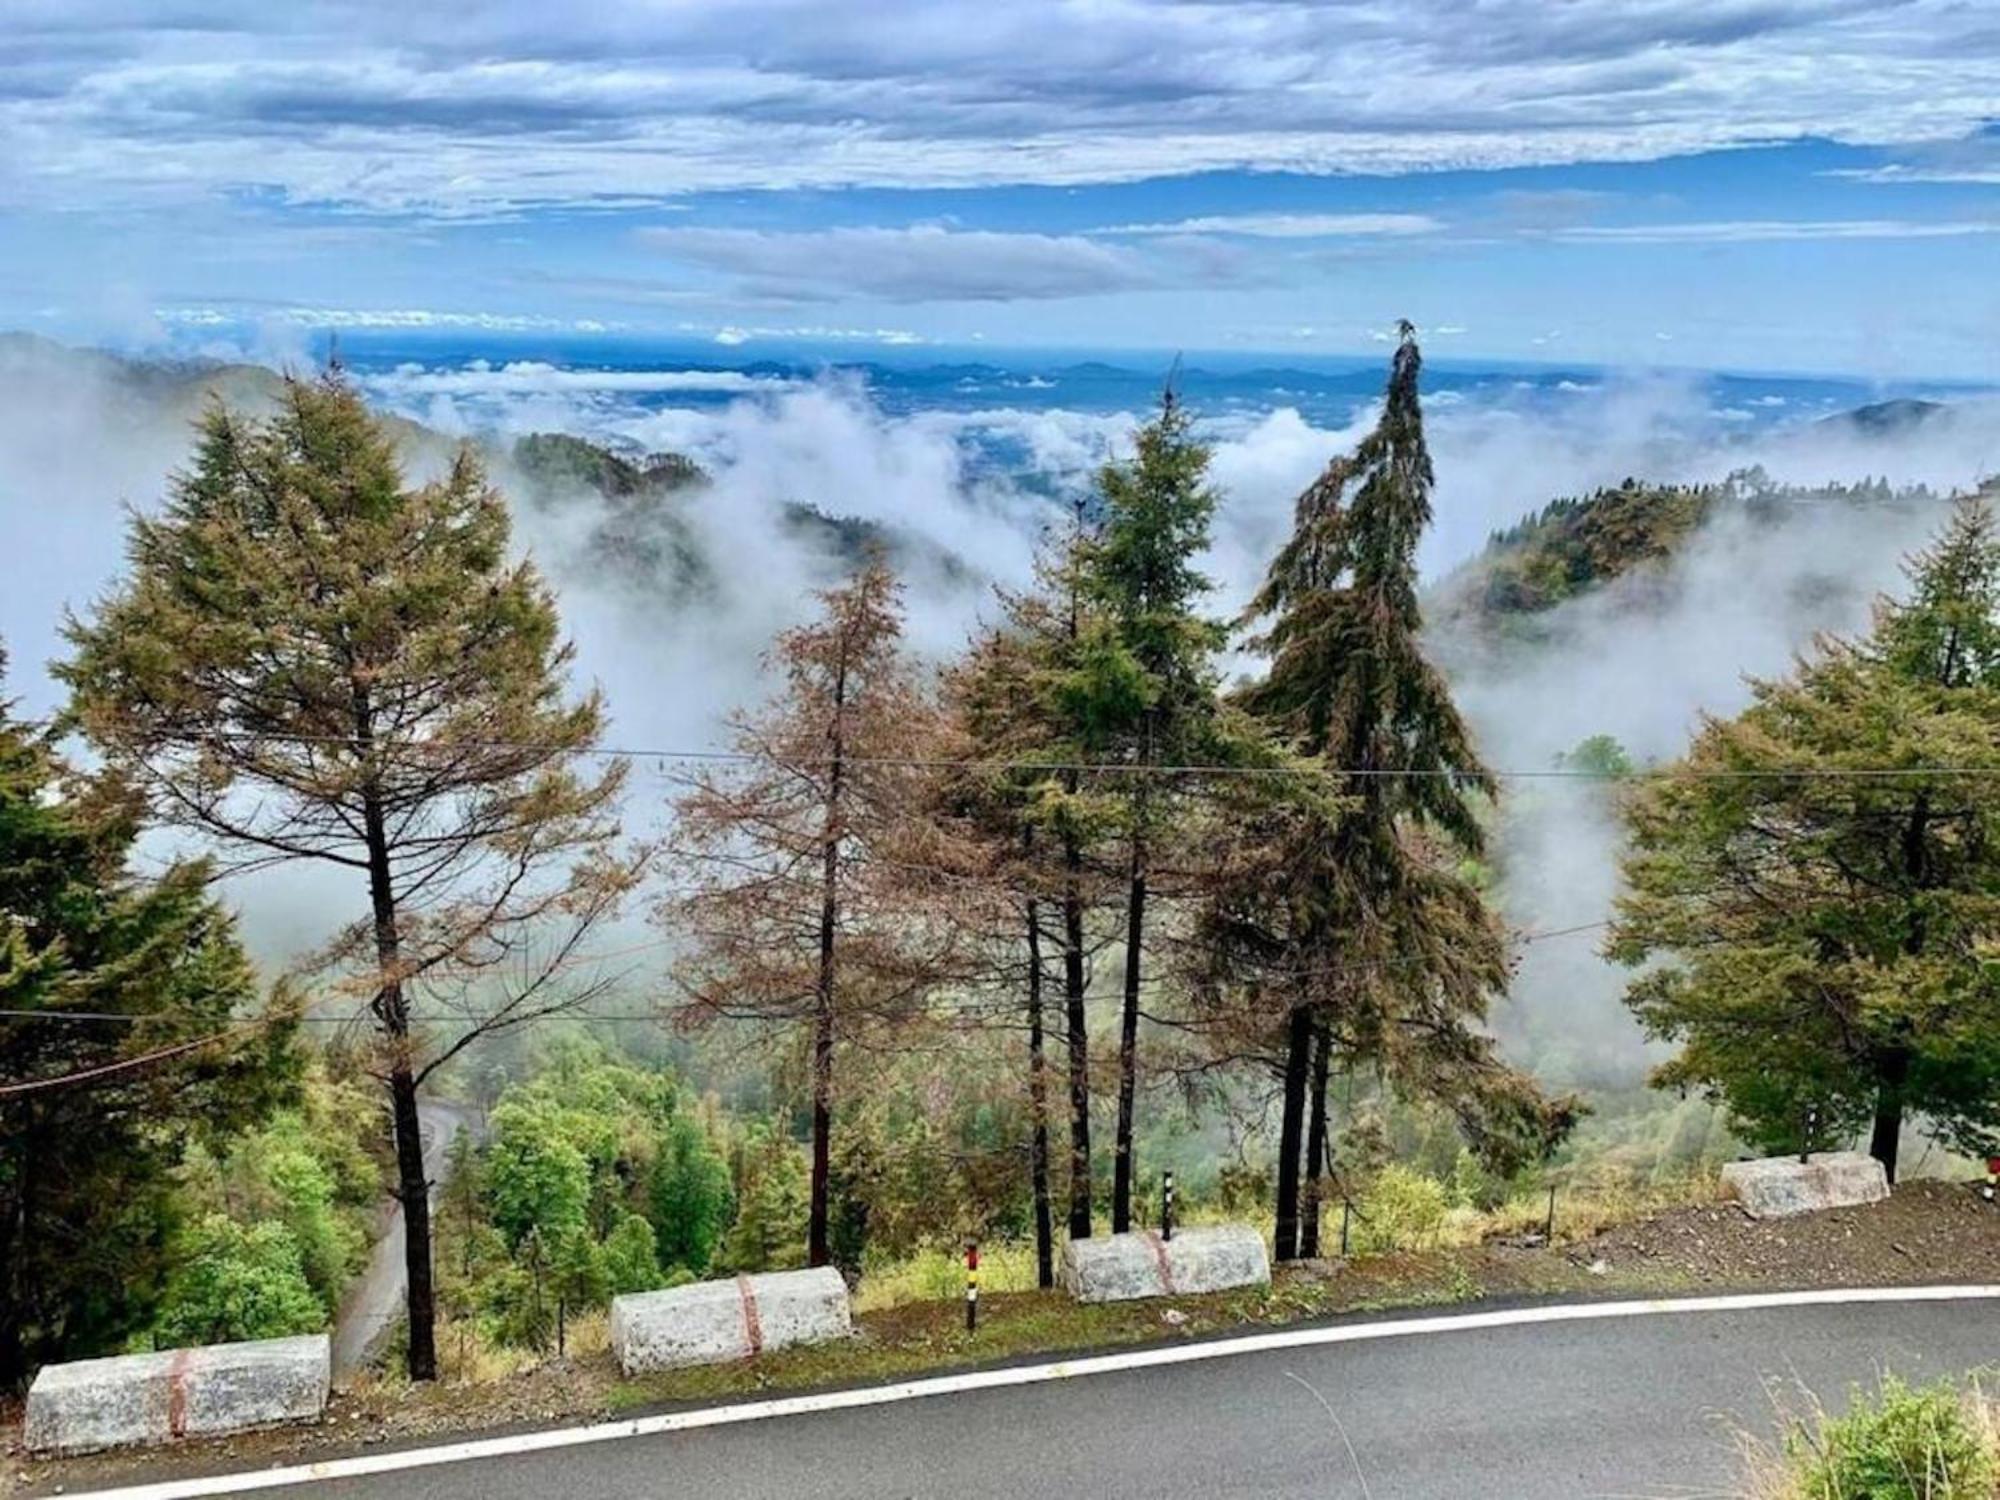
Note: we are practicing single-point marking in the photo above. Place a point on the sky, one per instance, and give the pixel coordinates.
(1808, 185)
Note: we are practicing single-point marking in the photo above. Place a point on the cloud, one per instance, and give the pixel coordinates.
(922, 263)
(492, 106)
(534, 377)
(1755, 231)
(1904, 172)
(376, 317)
(1288, 226)
(731, 334)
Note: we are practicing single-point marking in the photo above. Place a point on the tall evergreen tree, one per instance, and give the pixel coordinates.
(798, 859)
(1140, 571)
(87, 1205)
(1822, 875)
(315, 661)
(1348, 912)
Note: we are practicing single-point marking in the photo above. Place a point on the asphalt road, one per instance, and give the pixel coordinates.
(375, 1301)
(1644, 1406)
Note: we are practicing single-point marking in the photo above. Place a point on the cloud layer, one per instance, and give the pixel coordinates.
(494, 105)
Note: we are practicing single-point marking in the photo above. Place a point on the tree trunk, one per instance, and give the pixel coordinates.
(1128, 1043)
(413, 1189)
(14, 1234)
(1315, 1143)
(1038, 1107)
(1079, 1043)
(1298, 1050)
(817, 1248)
(414, 1193)
(1890, 1075)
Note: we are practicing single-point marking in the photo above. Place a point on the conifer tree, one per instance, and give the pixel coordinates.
(1139, 569)
(86, 1166)
(1822, 875)
(798, 860)
(1339, 905)
(314, 661)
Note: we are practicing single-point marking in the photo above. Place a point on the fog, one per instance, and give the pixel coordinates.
(1638, 660)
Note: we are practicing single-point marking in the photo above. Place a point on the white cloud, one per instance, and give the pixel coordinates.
(732, 334)
(1899, 172)
(534, 378)
(1288, 226)
(492, 105)
(922, 263)
(377, 317)
(1753, 231)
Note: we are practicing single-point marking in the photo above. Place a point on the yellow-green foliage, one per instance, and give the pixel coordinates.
(1401, 1210)
(937, 1274)
(1930, 1443)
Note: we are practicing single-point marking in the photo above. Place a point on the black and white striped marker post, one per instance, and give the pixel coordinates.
(1167, 1204)
(971, 1286)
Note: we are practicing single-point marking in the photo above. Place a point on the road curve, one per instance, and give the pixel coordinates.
(1612, 1406)
(375, 1300)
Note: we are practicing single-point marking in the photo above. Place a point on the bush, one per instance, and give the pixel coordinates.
(236, 1282)
(1903, 1445)
(689, 1198)
(1401, 1210)
(536, 1177)
(630, 1259)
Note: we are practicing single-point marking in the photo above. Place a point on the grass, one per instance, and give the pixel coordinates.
(909, 1313)
(1934, 1442)
(927, 1336)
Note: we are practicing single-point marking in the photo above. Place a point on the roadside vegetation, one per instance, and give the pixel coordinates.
(1933, 1442)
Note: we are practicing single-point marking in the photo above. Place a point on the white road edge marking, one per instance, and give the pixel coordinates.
(986, 1380)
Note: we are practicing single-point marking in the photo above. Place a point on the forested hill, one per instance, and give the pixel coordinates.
(1574, 545)
(642, 527)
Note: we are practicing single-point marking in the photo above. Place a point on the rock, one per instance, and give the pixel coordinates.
(1173, 1317)
(155, 1398)
(712, 1322)
(1120, 1267)
(1775, 1187)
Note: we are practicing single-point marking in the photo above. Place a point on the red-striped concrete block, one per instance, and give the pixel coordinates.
(1120, 1267)
(713, 1322)
(155, 1398)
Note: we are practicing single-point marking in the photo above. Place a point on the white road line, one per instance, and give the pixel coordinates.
(986, 1380)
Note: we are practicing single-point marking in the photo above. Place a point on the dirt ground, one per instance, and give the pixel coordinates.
(1928, 1233)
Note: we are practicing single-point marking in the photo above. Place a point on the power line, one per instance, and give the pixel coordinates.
(624, 1017)
(1058, 767)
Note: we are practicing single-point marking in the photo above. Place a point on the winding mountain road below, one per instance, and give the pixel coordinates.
(375, 1301)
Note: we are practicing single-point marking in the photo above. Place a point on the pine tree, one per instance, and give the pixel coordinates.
(87, 1207)
(1023, 704)
(1139, 569)
(314, 661)
(1823, 878)
(798, 899)
(1339, 900)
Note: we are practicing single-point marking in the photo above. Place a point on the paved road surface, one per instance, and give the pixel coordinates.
(1629, 1407)
(375, 1301)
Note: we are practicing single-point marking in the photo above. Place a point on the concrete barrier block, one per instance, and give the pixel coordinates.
(155, 1398)
(1775, 1187)
(1119, 1267)
(712, 1322)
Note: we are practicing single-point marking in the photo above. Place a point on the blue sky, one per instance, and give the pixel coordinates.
(1763, 184)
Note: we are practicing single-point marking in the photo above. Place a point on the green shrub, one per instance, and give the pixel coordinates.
(1903, 1445)
(630, 1259)
(1401, 1210)
(689, 1198)
(238, 1282)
